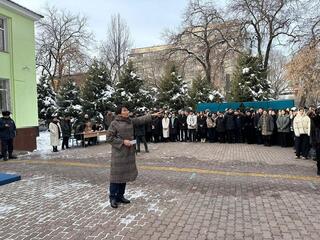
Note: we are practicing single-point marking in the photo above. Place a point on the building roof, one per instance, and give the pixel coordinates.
(20, 9)
(157, 48)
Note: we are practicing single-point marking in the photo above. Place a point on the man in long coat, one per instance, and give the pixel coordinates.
(123, 162)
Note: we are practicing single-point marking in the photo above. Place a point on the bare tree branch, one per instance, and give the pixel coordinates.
(62, 42)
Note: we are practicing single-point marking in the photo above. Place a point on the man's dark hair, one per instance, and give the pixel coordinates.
(119, 109)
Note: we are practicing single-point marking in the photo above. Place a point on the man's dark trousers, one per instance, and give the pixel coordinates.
(6, 147)
(117, 190)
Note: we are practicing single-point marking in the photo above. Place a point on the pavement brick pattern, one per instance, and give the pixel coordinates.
(67, 200)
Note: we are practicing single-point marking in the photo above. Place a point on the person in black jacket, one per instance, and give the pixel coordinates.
(173, 127)
(183, 126)
(7, 134)
(230, 125)
(202, 127)
(156, 126)
(316, 137)
(248, 125)
(66, 132)
(256, 122)
(238, 126)
(221, 128)
(140, 134)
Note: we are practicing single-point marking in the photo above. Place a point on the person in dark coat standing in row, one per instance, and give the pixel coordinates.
(156, 126)
(230, 125)
(66, 132)
(7, 134)
(140, 133)
(257, 117)
(238, 118)
(248, 125)
(283, 125)
(123, 162)
(202, 127)
(183, 126)
(221, 129)
(173, 127)
(316, 137)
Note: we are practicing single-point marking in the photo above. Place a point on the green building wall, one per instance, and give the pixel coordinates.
(18, 65)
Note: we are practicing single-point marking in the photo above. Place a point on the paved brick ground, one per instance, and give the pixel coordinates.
(60, 199)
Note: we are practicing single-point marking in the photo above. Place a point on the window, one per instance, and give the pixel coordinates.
(3, 34)
(4, 95)
(228, 83)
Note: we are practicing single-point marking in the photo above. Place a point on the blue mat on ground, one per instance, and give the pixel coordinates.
(8, 178)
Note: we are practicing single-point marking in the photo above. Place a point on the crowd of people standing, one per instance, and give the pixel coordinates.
(298, 128)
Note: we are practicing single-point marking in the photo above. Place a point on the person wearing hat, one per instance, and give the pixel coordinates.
(7, 134)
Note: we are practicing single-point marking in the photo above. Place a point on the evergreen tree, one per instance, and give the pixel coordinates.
(172, 90)
(249, 80)
(202, 91)
(46, 99)
(68, 100)
(97, 91)
(130, 90)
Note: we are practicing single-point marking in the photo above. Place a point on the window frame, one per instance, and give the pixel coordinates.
(8, 94)
(5, 34)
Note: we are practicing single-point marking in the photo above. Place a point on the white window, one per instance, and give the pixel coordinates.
(3, 34)
(4, 95)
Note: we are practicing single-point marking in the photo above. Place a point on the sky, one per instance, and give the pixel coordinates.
(147, 19)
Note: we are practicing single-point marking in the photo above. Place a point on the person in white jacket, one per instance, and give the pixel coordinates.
(165, 127)
(302, 129)
(192, 126)
(55, 132)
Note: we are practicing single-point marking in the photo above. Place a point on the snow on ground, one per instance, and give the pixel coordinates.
(43, 143)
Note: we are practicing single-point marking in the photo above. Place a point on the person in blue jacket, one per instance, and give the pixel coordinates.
(7, 134)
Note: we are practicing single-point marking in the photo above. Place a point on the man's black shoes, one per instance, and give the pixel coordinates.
(12, 157)
(123, 200)
(113, 203)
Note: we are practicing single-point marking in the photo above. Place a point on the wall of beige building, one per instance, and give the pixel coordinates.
(150, 63)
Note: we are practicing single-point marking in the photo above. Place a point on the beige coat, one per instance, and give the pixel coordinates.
(165, 127)
(54, 134)
(301, 125)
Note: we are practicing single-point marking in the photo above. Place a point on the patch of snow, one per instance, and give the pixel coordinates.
(245, 70)
(134, 194)
(43, 143)
(5, 209)
(128, 219)
(52, 195)
(153, 207)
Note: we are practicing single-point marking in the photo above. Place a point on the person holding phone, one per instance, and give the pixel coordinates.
(123, 162)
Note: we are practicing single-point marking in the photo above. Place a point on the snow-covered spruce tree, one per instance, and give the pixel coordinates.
(172, 89)
(201, 91)
(97, 91)
(68, 100)
(130, 90)
(46, 99)
(249, 80)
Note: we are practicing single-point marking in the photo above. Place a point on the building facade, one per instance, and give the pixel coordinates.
(18, 88)
(150, 62)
